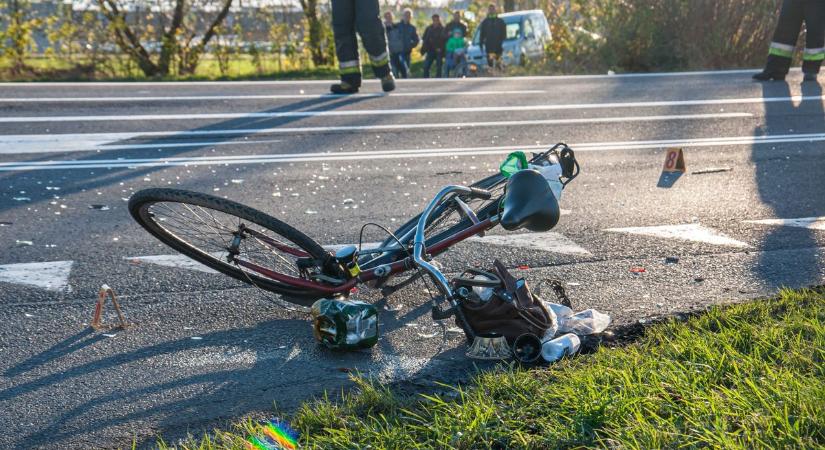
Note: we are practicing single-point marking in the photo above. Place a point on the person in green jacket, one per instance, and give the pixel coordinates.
(456, 53)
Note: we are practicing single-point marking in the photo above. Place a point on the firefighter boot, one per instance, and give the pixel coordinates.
(343, 88)
(388, 83)
(775, 69)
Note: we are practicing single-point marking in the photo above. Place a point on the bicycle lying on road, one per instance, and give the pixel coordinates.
(261, 250)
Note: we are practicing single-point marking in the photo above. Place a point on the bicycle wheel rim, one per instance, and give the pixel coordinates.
(171, 218)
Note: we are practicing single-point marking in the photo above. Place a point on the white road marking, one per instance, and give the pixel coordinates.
(399, 82)
(396, 154)
(687, 232)
(407, 111)
(57, 145)
(549, 242)
(54, 143)
(52, 276)
(180, 261)
(811, 223)
(263, 97)
(177, 261)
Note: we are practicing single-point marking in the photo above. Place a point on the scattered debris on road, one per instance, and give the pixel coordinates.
(712, 170)
(99, 207)
(671, 260)
(23, 243)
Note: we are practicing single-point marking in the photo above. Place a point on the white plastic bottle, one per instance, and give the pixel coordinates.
(558, 348)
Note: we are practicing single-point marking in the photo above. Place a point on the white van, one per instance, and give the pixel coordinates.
(527, 32)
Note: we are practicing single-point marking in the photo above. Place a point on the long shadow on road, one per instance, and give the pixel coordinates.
(224, 375)
(793, 186)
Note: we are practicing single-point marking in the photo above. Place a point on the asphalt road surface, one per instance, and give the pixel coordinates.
(747, 218)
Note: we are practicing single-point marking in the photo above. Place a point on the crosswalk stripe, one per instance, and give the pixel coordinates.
(176, 260)
(169, 98)
(409, 111)
(812, 223)
(52, 276)
(549, 242)
(395, 154)
(181, 261)
(686, 232)
(74, 142)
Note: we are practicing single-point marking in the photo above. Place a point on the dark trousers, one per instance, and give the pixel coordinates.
(494, 58)
(401, 64)
(349, 16)
(431, 57)
(791, 17)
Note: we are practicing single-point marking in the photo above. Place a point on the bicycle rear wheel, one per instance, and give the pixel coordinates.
(220, 234)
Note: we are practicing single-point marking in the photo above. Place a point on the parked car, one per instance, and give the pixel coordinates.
(527, 32)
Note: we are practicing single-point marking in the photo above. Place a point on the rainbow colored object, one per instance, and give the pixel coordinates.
(276, 435)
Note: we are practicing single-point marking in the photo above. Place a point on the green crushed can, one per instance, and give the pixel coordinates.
(514, 162)
(343, 324)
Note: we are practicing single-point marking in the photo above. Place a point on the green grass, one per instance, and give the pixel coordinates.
(240, 67)
(743, 376)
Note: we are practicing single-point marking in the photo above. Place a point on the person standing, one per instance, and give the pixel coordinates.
(791, 16)
(432, 46)
(408, 38)
(456, 23)
(361, 15)
(492, 35)
(395, 42)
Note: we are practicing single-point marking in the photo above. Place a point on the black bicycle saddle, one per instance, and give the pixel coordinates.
(529, 203)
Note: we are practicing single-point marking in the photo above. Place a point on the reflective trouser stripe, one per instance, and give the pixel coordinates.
(781, 49)
(380, 60)
(814, 54)
(353, 66)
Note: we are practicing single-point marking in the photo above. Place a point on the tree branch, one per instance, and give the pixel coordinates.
(210, 32)
(126, 39)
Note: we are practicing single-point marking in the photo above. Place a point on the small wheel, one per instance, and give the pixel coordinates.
(218, 232)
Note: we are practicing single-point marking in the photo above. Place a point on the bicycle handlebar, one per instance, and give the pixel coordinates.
(419, 246)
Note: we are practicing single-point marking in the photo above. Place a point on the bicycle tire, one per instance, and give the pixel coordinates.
(141, 201)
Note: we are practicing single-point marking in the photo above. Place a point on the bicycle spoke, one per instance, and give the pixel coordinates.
(213, 231)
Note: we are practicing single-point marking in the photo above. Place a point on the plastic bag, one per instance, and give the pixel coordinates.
(551, 173)
(585, 322)
(484, 293)
(582, 323)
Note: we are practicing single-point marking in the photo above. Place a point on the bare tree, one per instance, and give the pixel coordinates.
(316, 31)
(129, 41)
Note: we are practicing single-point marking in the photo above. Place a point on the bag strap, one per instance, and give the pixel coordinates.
(524, 299)
(493, 281)
(508, 279)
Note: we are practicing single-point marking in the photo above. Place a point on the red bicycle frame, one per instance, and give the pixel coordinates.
(377, 272)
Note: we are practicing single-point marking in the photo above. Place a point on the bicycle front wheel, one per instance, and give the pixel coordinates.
(220, 233)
